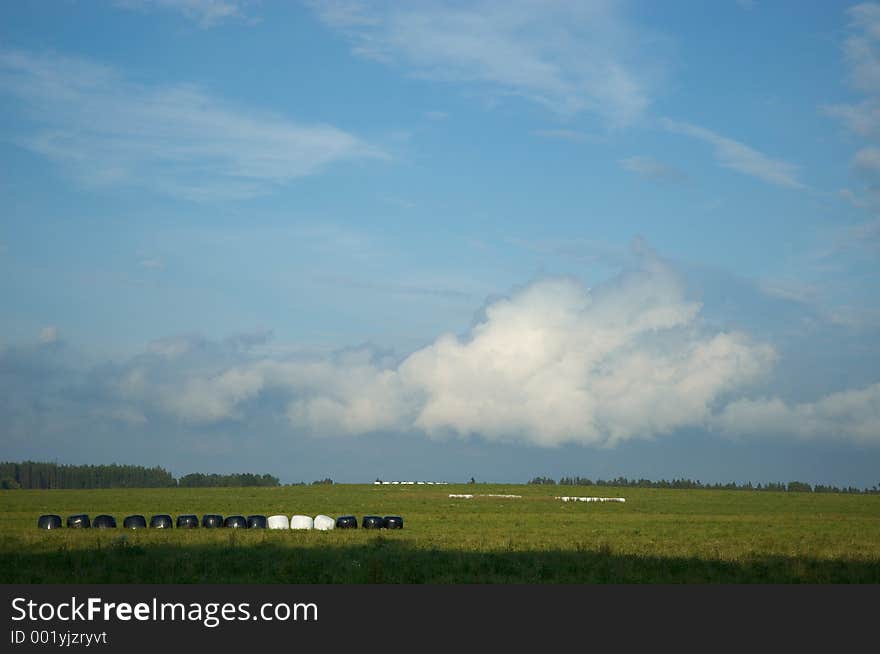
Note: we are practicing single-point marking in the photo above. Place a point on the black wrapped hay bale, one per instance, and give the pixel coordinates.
(161, 521)
(187, 521)
(393, 522)
(212, 520)
(134, 522)
(346, 522)
(372, 522)
(256, 522)
(104, 521)
(50, 521)
(79, 521)
(235, 522)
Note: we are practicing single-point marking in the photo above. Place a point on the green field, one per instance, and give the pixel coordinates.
(657, 536)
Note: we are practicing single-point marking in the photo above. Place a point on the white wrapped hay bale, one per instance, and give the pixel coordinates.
(278, 522)
(324, 522)
(302, 522)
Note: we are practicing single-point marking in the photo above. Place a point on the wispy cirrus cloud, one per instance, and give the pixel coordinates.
(566, 135)
(739, 156)
(206, 13)
(152, 264)
(862, 59)
(568, 56)
(861, 54)
(651, 168)
(178, 139)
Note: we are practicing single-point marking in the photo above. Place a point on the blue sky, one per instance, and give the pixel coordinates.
(442, 240)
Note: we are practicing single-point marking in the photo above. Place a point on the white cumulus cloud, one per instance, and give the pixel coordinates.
(554, 363)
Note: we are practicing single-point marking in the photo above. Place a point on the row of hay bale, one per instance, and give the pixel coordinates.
(566, 498)
(325, 523)
(214, 520)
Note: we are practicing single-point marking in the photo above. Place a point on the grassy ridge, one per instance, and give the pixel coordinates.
(667, 536)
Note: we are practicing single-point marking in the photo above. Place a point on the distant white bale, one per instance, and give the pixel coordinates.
(279, 522)
(385, 483)
(461, 496)
(420, 482)
(324, 522)
(302, 522)
(377, 483)
(498, 495)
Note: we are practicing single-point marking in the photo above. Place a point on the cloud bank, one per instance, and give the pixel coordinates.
(848, 415)
(554, 363)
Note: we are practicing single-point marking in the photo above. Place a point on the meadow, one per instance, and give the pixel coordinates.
(657, 536)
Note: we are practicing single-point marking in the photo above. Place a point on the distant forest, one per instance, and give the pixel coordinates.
(791, 487)
(33, 474)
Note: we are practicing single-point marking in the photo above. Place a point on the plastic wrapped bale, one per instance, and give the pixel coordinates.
(301, 522)
(372, 522)
(104, 521)
(393, 522)
(346, 522)
(324, 522)
(79, 521)
(49, 521)
(256, 522)
(212, 520)
(187, 521)
(161, 521)
(235, 522)
(134, 522)
(279, 522)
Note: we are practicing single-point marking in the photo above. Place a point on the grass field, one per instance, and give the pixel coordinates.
(657, 536)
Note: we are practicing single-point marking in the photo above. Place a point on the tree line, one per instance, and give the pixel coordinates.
(36, 474)
(790, 487)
